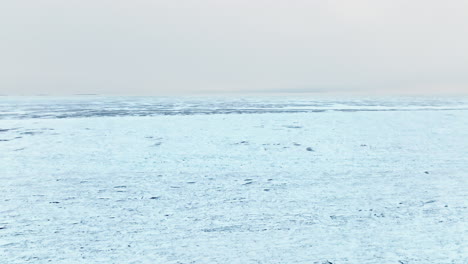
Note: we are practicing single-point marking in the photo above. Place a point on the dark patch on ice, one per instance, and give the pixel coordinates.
(221, 229)
(120, 187)
(175, 187)
(269, 179)
(155, 198)
(426, 172)
(296, 144)
(2, 227)
(266, 190)
(430, 201)
(363, 145)
(54, 202)
(293, 126)
(242, 143)
(345, 110)
(10, 139)
(31, 133)
(247, 183)
(248, 180)
(309, 149)
(191, 182)
(157, 144)
(19, 149)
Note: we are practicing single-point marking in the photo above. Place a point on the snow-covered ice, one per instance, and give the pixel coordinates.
(250, 180)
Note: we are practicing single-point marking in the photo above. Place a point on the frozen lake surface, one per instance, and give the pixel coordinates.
(248, 180)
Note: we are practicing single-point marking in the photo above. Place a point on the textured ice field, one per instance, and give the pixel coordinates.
(147, 180)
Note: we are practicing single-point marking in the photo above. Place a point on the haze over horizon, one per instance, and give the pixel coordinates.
(163, 47)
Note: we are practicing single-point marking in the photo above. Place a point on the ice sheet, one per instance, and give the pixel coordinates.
(277, 187)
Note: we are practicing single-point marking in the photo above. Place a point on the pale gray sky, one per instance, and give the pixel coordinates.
(143, 47)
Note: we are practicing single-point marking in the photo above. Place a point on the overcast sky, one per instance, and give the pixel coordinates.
(159, 47)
